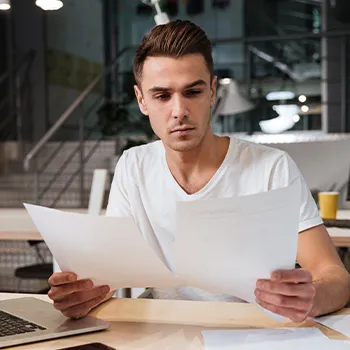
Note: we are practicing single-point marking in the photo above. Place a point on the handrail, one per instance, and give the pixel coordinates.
(69, 111)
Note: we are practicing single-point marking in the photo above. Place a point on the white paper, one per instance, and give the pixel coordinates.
(270, 339)
(339, 323)
(226, 245)
(109, 250)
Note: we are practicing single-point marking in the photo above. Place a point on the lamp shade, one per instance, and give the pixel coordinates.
(5, 5)
(231, 100)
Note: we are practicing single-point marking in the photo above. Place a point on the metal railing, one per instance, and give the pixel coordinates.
(30, 160)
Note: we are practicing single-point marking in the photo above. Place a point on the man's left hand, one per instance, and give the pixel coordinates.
(288, 293)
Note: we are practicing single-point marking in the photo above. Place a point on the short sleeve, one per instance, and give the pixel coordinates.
(286, 172)
(118, 201)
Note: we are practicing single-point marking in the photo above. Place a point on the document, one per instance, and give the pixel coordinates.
(225, 245)
(222, 246)
(339, 323)
(110, 251)
(271, 339)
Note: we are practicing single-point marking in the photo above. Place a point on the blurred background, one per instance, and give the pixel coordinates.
(67, 105)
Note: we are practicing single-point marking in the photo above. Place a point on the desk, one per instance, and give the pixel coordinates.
(164, 324)
(340, 236)
(16, 224)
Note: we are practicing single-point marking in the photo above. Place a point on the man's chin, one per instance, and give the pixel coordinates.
(184, 145)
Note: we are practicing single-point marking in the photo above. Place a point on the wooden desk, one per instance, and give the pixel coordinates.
(162, 324)
(340, 236)
(16, 224)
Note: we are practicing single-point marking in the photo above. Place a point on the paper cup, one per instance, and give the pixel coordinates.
(328, 202)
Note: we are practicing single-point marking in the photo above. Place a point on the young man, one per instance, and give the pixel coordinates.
(176, 90)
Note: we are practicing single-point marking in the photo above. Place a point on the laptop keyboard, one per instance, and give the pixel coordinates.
(12, 325)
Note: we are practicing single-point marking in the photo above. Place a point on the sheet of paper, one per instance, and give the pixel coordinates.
(225, 245)
(270, 339)
(339, 323)
(108, 250)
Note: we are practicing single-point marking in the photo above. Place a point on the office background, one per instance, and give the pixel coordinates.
(67, 105)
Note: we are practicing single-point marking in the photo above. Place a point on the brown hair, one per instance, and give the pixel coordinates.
(175, 39)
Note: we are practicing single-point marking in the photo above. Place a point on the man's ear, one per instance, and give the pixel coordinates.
(213, 91)
(140, 100)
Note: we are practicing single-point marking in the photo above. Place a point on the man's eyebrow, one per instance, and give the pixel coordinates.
(188, 86)
(195, 83)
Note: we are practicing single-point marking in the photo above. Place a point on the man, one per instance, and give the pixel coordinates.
(176, 89)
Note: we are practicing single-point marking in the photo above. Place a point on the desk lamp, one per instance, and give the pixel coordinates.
(229, 100)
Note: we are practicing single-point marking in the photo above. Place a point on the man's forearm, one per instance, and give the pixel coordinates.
(332, 290)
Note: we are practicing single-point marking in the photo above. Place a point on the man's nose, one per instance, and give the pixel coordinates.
(179, 108)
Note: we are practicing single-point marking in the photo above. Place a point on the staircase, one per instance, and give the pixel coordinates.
(18, 187)
(57, 170)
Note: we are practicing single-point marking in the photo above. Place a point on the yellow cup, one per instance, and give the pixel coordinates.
(328, 202)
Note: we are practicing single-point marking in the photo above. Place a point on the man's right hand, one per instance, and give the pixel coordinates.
(75, 298)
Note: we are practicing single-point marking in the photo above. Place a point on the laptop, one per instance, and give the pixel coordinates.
(27, 320)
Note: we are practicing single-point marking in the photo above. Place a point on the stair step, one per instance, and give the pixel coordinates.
(17, 186)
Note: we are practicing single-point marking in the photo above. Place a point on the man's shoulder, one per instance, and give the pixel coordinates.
(148, 149)
(248, 149)
(144, 155)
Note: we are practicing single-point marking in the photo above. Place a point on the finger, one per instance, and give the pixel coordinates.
(306, 291)
(60, 278)
(294, 315)
(82, 309)
(81, 297)
(285, 301)
(59, 292)
(292, 276)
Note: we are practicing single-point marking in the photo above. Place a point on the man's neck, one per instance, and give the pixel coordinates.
(193, 169)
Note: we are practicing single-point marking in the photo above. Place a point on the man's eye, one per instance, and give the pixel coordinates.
(192, 93)
(162, 96)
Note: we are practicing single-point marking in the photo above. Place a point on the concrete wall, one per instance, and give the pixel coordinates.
(75, 55)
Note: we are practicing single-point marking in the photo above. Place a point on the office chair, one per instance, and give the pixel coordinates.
(43, 270)
(40, 271)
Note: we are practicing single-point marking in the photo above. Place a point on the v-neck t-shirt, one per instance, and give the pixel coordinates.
(144, 188)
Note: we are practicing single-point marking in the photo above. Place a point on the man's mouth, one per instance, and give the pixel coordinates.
(182, 130)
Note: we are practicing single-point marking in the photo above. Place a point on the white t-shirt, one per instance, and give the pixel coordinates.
(144, 188)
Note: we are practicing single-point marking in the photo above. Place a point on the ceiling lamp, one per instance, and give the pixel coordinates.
(280, 95)
(5, 5)
(49, 5)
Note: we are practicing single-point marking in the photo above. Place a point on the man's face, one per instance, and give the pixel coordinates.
(176, 94)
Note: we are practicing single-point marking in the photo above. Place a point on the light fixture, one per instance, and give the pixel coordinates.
(287, 117)
(296, 118)
(229, 100)
(302, 98)
(5, 5)
(304, 109)
(49, 5)
(160, 17)
(280, 95)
